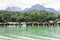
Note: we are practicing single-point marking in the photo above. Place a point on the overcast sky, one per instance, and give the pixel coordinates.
(28, 3)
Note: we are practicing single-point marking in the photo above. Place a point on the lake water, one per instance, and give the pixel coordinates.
(29, 33)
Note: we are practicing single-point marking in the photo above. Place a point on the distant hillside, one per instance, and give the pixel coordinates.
(39, 7)
(51, 10)
(36, 7)
(13, 9)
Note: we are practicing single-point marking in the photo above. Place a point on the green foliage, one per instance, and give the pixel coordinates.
(31, 16)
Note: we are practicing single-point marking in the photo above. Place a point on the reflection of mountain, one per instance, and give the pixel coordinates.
(13, 9)
(37, 7)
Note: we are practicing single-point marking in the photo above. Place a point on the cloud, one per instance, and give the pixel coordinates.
(28, 3)
(54, 4)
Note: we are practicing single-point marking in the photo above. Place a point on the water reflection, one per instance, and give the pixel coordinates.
(32, 32)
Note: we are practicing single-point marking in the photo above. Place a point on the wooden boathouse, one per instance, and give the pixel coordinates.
(11, 23)
(58, 23)
(50, 23)
(1, 23)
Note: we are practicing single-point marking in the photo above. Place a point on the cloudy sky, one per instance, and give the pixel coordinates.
(28, 3)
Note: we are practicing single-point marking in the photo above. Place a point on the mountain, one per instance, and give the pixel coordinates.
(13, 9)
(35, 7)
(59, 11)
(39, 7)
(51, 10)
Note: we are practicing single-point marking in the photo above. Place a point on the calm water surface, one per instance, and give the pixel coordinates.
(29, 33)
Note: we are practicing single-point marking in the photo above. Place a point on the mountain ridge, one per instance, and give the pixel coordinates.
(13, 9)
(36, 7)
